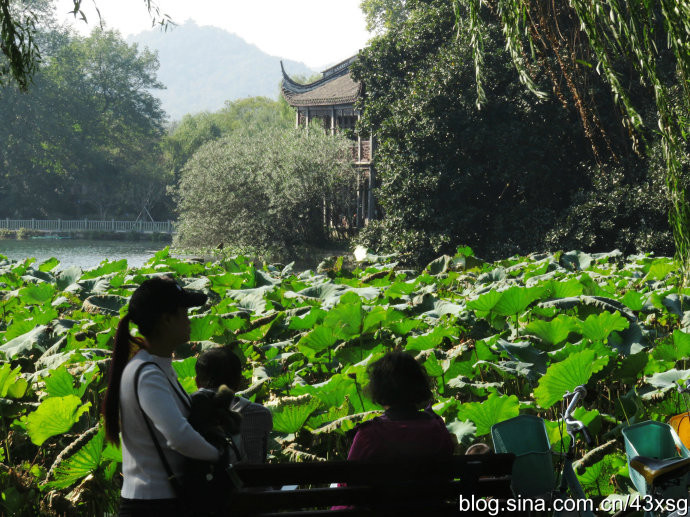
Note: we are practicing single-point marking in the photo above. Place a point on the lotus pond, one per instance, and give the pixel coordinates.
(497, 338)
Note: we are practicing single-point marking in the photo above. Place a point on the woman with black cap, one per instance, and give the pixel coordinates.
(145, 402)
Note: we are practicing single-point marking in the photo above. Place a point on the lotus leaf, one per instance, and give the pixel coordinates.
(291, 413)
(37, 339)
(319, 339)
(598, 327)
(463, 431)
(55, 415)
(495, 409)
(565, 375)
(36, 294)
(516, 299)
(106, 304)
(555, 331)
(82, 463)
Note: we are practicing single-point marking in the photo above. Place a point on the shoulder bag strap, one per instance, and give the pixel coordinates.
(171, 476)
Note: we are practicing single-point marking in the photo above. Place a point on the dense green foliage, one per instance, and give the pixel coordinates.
(84, 141)
(626, 43)
(271, 190)
(248, 115)
(497, 339)
(517, 175)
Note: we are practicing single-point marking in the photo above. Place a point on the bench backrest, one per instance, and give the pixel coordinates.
(409, 488)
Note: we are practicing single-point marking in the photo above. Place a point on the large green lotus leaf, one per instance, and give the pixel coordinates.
(493, 410)
(597, 327)
(485, 302)
(319, 339)
(48, 265)
(12, 385)
(611, 465)
(576, 260)
(660, 268)
(291, 413)
(524, 352)
(404, 327)
(442, 307)
(632, 367)
(80, 464)
(676, 304)
(185, 368)
(105, 268)
(312, 318)
(668, 379)
(633, 300)
(259, 333)
(36, 339)
(438, 266)
(55, 415)
(515, 299)
(565, 289)
(250, 299)
(555, 331)
(433, 366)
(376, 317)
(227, 280)
(565, 375)
(430, 339)
(36, 294)
(106, 304)
(204, 327)
(67, 277)
(399, 289)
(60, 383)
(346, 318)
(511, 369)
(465, 432)
(333, 413)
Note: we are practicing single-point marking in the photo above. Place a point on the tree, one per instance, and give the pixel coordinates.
(514, 177)
(383, 15)
(84, 142)
(626, 41)
(250, 115)
(18, 36)
(269, 190)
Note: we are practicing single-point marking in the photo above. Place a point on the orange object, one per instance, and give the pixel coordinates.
(681, 424)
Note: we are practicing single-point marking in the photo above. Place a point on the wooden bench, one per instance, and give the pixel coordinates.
(380, 489)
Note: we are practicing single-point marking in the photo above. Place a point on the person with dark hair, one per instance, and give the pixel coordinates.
(405, 430)
(220, 366)
(145, 402)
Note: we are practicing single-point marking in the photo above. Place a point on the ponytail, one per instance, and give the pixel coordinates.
(111, 402)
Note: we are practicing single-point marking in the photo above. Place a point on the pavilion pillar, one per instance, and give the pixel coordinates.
(332, 121)
(297, 119)
(306, 120)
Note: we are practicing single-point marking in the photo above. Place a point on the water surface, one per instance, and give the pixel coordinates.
(78, 252)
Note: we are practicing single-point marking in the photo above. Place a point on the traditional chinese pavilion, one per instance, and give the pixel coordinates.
(331, 99)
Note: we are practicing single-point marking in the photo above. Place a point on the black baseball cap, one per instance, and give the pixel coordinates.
(161, 295)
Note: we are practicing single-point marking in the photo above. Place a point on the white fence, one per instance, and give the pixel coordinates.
(80, 225)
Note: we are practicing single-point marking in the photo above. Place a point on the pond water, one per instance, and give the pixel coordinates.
(83, 253)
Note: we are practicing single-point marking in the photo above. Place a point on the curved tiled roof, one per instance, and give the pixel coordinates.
(335, 87)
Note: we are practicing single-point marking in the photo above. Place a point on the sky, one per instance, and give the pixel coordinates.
(315, 32)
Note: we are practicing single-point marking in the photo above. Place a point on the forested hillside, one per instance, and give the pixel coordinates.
(202, 67)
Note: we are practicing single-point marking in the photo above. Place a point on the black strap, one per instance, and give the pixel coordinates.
(171, 476)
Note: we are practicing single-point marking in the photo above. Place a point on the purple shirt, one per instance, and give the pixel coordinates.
(402, 435)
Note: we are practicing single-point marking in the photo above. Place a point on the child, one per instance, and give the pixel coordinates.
(220, 366)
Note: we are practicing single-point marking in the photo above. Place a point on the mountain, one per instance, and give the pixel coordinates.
(202, 67)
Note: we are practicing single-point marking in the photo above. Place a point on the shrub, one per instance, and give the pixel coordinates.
(271, 190)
